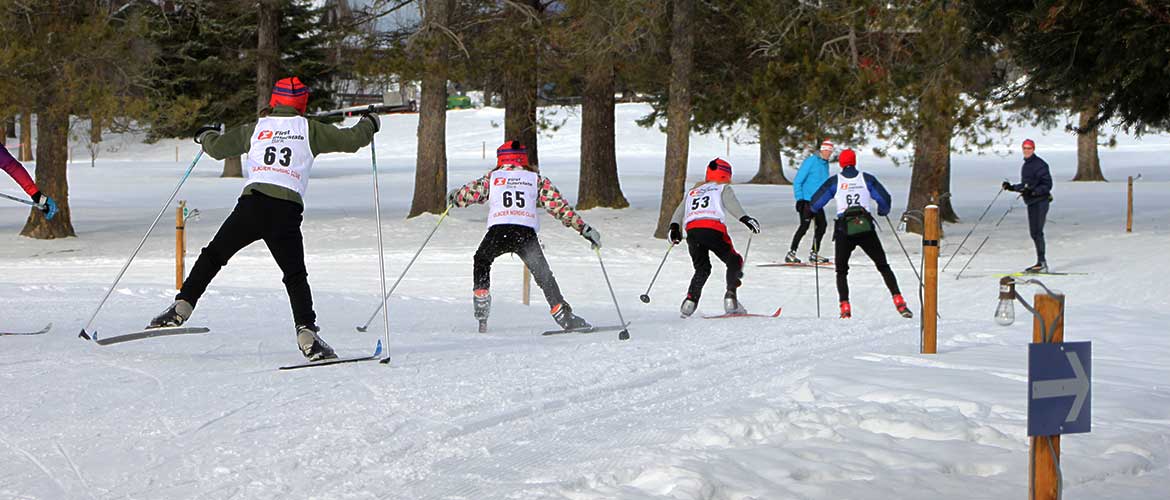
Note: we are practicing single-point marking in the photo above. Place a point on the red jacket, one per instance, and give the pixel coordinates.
(17, 172)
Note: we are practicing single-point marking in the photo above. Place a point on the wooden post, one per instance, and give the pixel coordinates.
(1043, 473)
(1129, 208)
(26, 150)
(180, 244)
(930, 280)
(728, 155)
(484, 150)
(527, 288)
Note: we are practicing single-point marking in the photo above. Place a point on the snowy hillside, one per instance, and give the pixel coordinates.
(746, 408)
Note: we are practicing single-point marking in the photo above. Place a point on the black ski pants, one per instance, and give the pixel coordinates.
(258, 217)
(701, 242)
(522, 241)
(805, 219)
(1037, 215)
(872, 246)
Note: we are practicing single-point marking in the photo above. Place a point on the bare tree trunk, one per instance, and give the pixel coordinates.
(95, 129)
(931, 174)
(520, 82)
(599, 185)
(52, 150)
(678, 112)
(10, 127)
(4, 132)
(430, 172)
(267, 50)
(771, 166)
(232, 167)
(1088, 161)
(26, 153)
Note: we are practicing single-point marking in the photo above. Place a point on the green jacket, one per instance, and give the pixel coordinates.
(323, 138)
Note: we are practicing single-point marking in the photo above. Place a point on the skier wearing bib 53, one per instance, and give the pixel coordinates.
(702, 214)
(281, 147)
(514, 191)
(854, 191)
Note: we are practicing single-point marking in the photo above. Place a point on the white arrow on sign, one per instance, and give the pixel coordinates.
(1062, 387)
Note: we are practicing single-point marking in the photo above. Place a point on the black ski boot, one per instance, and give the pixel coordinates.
(175, 315)
(731, 304)
(1037, 268)
(563, 314)
(311, 345)
(791, 258)
(688, 307)
(483, 307)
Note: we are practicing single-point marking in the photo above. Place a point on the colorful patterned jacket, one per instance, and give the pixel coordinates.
(549, 198)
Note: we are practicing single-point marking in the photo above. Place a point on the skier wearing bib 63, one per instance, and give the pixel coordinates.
(854, 192)
(702, 214)
(280, 147)
(514, 191)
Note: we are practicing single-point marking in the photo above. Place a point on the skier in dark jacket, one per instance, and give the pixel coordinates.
(514, 190)
(854, 191)
(15, 170)
(1036, 188)
(281, 147)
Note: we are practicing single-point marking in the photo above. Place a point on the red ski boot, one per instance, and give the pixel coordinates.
(846, 311)
(900, 303)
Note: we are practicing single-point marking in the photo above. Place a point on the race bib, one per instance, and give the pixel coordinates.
(280, 153)
(704, 202)
(512, 198)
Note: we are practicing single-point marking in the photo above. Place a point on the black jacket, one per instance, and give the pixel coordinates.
(1035, 180)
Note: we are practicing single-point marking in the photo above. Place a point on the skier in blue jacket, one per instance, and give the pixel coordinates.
(1036, 187)
(813, 172)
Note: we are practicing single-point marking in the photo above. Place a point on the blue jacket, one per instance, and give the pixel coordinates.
(812, 173)
(1035, 177)
(828, 191)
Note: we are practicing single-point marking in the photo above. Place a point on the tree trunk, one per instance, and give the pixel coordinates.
(678, 112)
(10, 127)
(51, 179)
(1088, 162)
(931, 174)
(599, 185)
(95, 129)
(267, 50)
(771, 166)
(26, 153)
(232, 167)
(520, 82)
(430, 171)
(4, 132)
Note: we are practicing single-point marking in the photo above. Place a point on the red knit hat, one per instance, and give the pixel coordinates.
(1029, 144)
(719, 171)
(290, 92)
(512, 153)
(848, 158)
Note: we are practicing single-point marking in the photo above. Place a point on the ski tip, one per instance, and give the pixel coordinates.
(777, 313)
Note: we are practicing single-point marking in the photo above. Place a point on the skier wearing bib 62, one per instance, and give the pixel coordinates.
(281, 147)
(702, 214)
(515, 190)
(854, 192)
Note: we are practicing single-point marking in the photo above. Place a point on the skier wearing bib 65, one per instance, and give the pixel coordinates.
(280, 147)
(854, 192)
(514, 191)
(702, 213)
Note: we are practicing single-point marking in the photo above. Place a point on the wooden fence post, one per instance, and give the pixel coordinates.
(1044, 451)
(930, 236)
(180, 244)
(527, 288)
(1129, 208)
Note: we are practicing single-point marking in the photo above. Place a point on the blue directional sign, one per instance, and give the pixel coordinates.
(1059, 388)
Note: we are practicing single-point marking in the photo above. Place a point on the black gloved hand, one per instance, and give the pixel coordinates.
(205, 130)
(752, 224)
(373, 118)
(675, 234)
(1027, 192)
(1007, 186)
(802, 207)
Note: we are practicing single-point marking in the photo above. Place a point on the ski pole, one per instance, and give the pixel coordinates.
(645, 298)
(817, 277)
(403, 275)
(87, 336)
(908, 259)
(381, 253)
(747, 249)
(993, 200)
(625, 333)
(988, 237)
(19, 200)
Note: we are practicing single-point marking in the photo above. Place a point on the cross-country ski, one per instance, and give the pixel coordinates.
(568, 228)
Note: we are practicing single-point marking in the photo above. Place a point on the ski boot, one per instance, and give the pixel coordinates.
(1037, 268)
(791, 258)
(563, 314)
(900, 303)
(731, 304)
(846, 311)
(483, 306)
(175, 315)
(688, 307)
(311, 345)
(816, 259)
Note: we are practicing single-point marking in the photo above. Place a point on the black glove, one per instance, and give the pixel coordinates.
(802, 207)
(1027, 192)
(675, 234)
(751, 223)
(1007, 186)
(373, 118)
(205, 130)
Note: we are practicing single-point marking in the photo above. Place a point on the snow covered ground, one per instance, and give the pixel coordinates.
(795, 407)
